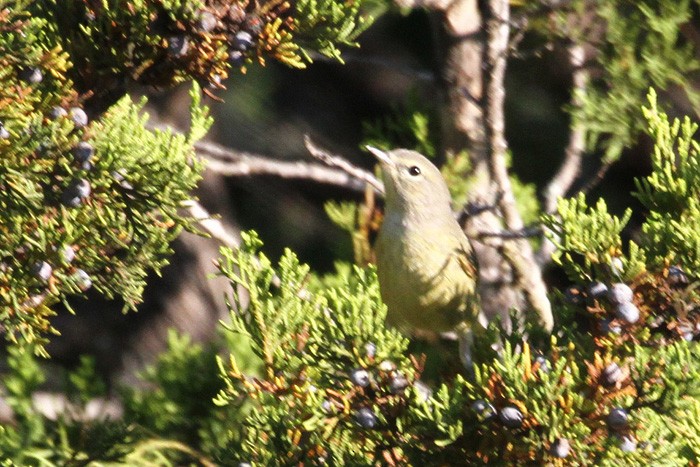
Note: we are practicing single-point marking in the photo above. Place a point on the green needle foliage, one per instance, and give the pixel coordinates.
(108, 236)
(633, 45)
(306, 371)
(89, 194)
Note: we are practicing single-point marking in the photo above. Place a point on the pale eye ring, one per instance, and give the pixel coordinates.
(414, 170)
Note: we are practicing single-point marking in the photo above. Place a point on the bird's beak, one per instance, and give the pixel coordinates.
(381, 155)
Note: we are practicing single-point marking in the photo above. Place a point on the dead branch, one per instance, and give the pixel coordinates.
(343, 164)
(517, 252)
(211, 224)
(233, 163)
(571, 166)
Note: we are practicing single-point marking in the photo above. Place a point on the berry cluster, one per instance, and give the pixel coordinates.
(59, 259)
(235, 25)
(664, 302)
(614, 302)
(374, 390)
(79, 188)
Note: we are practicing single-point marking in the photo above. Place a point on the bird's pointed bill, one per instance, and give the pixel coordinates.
(381, 155)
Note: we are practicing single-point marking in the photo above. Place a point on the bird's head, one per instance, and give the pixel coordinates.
(412, 184)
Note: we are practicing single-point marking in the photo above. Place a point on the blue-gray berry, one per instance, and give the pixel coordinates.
(360, 377)
(366, 418)
(686, 330)
(617, 418)
(597, 290)
(627, 312)
(82, 280)
(243, 41)
(79, 117)
(677, 277)
(620, 293)
(4, 134)
(483, 410)
(57, 112)
(81, 187)
(543, 363)
(612, 374)
(561, 448)
(83, 152)
(616, 266)
(42, 271)
(327, 406)
(78, 190)
(628, 444)
(207, 21)
(32, 75)
(511, 416)
(236, 58)
(480, 405)
(370, 350)
(70, 201)
(398, 384)
(67, 254)
(178, 45)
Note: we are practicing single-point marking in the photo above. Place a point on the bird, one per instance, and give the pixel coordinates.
(425, 263)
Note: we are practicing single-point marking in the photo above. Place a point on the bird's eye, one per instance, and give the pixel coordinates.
(414, 170)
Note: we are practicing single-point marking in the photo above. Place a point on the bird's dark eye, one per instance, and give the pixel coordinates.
(414, 170)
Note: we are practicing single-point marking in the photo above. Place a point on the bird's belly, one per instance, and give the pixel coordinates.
(431, 296)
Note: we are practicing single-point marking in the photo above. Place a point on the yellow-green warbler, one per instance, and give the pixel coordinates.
(425, 263)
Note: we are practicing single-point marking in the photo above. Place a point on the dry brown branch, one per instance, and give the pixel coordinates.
(571, 166)
(211, 224)
(344, 165)
(517, 252)
(356, 58)
(242, 164)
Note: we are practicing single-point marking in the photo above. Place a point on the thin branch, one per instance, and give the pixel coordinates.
(497, 43)
(211, 224)
(342, 164)
(597, 177)
(518, 252)
(233, 163)
(218, 230)
(424, 75)
(526, 232)
(571, 166)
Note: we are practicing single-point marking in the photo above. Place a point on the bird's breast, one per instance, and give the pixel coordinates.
(421, 278)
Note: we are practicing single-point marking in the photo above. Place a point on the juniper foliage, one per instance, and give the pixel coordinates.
(306, 372)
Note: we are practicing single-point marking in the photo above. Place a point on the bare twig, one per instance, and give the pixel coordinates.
(211, 224)
(218, 231)
(242, 164)
(342, 164)
(526, 232)
(424, 75)
(571, 166)
(497, 30)
(597, 177)
(518, 252)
